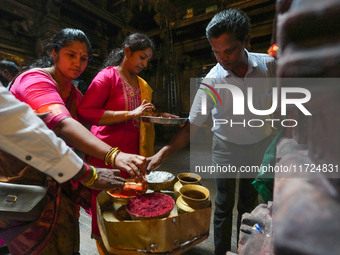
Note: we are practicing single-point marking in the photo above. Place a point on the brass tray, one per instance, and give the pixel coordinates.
(164, 121)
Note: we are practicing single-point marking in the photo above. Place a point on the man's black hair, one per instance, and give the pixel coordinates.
(232, 21)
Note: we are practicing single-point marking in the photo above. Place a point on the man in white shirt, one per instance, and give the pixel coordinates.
(26, 137)
(233, 145)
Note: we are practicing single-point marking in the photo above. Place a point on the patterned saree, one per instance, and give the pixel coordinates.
(57, 229)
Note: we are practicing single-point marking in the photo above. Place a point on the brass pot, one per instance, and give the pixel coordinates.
(193, 197)
(185, 179)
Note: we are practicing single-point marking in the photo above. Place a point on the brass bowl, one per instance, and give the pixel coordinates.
(185, 179)
(194, 194)
(193, 197)
(161, 185)
(188, 178)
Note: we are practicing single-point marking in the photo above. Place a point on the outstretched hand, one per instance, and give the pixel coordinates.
(109, 179)
(133, 164)
(145, 106)
(153, 163)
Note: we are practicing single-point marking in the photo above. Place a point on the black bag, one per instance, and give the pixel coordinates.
(21, 202)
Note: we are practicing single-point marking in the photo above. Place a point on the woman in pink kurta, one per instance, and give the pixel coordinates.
(109, 91)
(113, 103)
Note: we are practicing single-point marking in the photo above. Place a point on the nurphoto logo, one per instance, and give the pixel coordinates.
(239, 104)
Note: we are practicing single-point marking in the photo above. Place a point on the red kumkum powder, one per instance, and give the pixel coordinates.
(150, 205)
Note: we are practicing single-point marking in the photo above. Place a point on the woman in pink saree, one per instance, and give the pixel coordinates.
(115, 100)
(51, 90)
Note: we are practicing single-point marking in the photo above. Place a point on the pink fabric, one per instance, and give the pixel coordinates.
(109, 92)
(37, 89)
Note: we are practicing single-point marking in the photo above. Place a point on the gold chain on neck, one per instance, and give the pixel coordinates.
(125, 77)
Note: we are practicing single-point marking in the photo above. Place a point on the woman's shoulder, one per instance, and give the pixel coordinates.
(30, 78)
(108, 75)
(36, 72)
(35, 76)
(110, 70)
(35, 87)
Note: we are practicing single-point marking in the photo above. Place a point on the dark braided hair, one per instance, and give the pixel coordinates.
(61, 39)
(135, 42)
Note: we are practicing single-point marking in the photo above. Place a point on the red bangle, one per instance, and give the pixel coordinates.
(86, 173)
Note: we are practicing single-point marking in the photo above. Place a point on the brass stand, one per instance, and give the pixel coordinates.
(174, 234)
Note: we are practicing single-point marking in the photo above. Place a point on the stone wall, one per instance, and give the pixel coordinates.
(306, 207)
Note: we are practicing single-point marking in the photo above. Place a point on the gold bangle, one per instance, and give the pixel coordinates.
(109, 160)
(108, 154)
(113, 158)
(93, 178)
(125, 115)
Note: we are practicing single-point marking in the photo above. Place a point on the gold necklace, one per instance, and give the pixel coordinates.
(128, 81)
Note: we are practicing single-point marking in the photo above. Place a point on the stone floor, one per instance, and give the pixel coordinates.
(179, 162)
